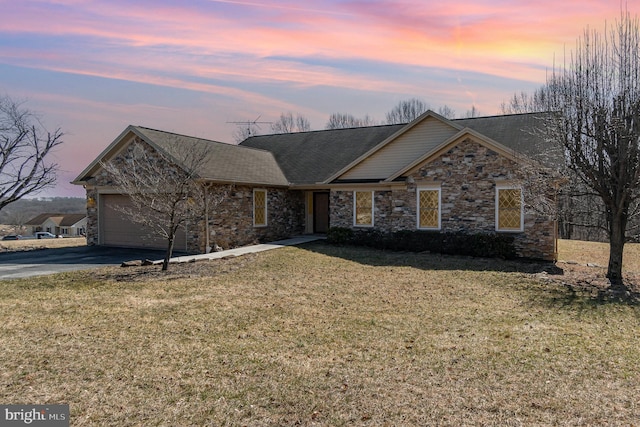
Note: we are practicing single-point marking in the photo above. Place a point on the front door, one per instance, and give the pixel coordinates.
(320, 212)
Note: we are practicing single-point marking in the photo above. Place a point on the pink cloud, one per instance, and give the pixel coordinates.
(471, 36)
(236, 55)
(497, 38)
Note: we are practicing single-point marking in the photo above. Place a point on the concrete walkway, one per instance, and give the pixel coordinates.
(247, 249)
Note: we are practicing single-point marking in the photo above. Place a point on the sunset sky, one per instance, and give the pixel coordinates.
(94, 67)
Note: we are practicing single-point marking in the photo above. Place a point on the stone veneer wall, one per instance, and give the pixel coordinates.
(467, 175)
(92, 216)
(230, 222)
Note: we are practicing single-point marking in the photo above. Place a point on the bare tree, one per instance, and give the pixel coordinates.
(523, 102)
(580, 212)
(165, 189)
(287, 123)
(472, 112)
(24, 147)
(447, 112)
(343, 120)
(406, 111)
(17, 219)
(245, 131)
(596, 95)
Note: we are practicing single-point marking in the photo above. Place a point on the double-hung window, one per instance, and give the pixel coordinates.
(259, 208)
(363, 208)
(428, 208)
(509, 208)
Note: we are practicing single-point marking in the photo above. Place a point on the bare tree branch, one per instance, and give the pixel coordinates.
(596, 95)
(342, 121)
(447, 112)
(287, 123)
(164, 188)
(24, 147)
(407, 111)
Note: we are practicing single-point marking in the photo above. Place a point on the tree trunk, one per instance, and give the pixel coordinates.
(167, 256)
(617, 230)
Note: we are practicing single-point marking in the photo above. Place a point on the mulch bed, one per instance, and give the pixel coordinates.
(182, 270)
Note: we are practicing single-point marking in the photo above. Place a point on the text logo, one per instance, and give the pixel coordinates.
(34, 415)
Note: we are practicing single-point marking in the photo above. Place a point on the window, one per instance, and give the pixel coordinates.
(363, 208)
(259, 208)
(509, 213)
(429, 208)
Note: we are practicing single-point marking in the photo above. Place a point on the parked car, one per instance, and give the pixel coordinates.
(12, 237)
(44, 235)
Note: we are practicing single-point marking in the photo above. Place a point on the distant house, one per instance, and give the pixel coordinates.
(462, 175)
(66, 225)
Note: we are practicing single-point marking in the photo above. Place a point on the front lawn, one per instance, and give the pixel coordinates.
(33, 244)
(321, 335)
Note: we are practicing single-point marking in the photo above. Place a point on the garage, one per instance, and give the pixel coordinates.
(117, 228)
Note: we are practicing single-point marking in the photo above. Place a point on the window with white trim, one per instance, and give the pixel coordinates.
(363, 208)
(259, 208)
(428, 208)
(509, 208)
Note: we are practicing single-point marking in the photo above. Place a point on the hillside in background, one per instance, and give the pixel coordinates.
(23, 210)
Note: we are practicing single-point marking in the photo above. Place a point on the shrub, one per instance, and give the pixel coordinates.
(491, 245)
(340, 235)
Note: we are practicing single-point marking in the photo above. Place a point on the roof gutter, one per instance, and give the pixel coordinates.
(349, 185)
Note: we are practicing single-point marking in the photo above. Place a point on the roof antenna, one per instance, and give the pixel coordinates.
(251, 125)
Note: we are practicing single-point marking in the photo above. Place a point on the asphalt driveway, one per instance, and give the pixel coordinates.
(47, 261)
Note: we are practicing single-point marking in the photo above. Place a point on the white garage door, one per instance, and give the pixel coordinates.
(117, 228)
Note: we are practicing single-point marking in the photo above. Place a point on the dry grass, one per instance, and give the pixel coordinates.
(598, 253)
(30, 244)
(320, 335)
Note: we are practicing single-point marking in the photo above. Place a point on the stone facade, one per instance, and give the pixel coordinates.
(467, 175)
(230, 217)
(92, 216)
(231, 222)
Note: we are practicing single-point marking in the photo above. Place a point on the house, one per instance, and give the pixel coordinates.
(463, 175)
(66, 225)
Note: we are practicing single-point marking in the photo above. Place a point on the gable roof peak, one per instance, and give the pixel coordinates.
(431, 113)
(228, 163)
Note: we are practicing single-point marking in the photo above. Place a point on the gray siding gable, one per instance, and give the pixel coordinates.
(403, 150)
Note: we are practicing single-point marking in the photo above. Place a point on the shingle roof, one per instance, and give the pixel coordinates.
(60, 219)
(39, 219)
(226, 162)
(519, 132)
(312, 157)
(70, 219)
